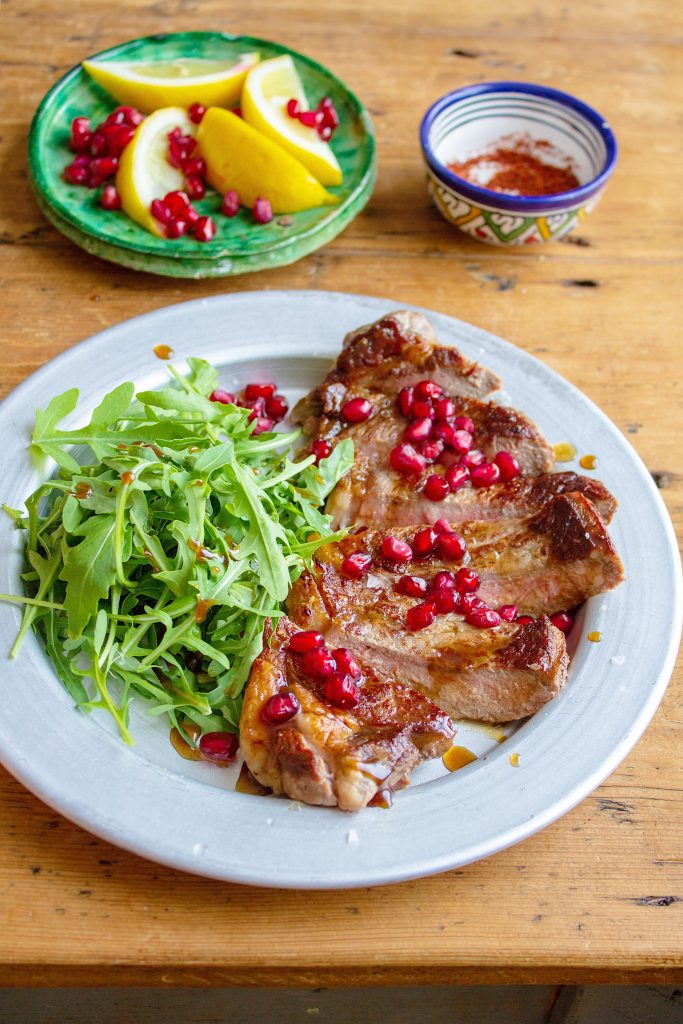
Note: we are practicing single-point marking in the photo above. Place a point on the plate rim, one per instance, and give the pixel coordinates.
(337, 217)
(20, 767)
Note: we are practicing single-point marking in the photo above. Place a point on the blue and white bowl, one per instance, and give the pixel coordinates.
(473, 120)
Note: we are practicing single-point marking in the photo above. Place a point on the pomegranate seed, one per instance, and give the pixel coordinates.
(324, 131)
(196, 112)
(405, 401)
(177, 154)
(461, 441)
(118, 136)
(443, 580)
(396, 550)
(230, 206)
(260, 391)
(357, 410)
(422, 407)
(262, 210)
(125, 115)
(160, 211)
(413, 586)
(205, 229)
(196, 189)
(174, 134)
(237, 111)
(280, 708)
(341, 690)
(482, 618)
(76, 174)
(100, 169)
(110, 199)
(80, 135)
(446, 600)
(470, 601)
(563, 621)
(195, 166)
(355, 566)
(346, 663)
(430, 450)
(257, 406)
(98, 143)
(508, 466)
(263, 426)
(524, 620)
(405, 459)
(444, 432)
(421, 615)
(177, 202)
(319, 663)
(451, 546)
(456, 477)
(509, 612)
(311, 118)
(176, 228)
(293, 108)
(418, 430)
(330, 115)
(218, 746)
(192, 217)
(436, 487)
(444, 409)
(423, 543)
(464, 423)
(277, 407)
(485, 475)
(428, 389)
(224, 397)
(442, 526)
(321, 450)
(466, 581)
(306, 640)
(473, 458)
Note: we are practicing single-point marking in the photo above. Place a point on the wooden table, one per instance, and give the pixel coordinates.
(596, 897)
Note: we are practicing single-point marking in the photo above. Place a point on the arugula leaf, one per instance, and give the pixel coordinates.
(89, 571)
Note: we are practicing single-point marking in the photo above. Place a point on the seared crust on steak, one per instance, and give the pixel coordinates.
(329, 756)
(398, 350)
(491, 675)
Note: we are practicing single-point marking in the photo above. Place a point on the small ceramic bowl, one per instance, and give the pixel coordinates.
(472, 120)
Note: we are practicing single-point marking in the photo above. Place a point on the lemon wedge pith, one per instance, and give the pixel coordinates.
(267, 88)
(240, 157)
(144, 172)
(174, 83)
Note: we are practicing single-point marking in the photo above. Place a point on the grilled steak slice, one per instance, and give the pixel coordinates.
(372, 491)
(329, 756)
(373, 494)
(544, 563)
(398, 350)
(491, 675)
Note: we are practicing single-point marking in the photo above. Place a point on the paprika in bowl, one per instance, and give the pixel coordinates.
(512, 163)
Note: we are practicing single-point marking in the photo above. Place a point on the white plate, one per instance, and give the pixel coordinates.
(187, 814)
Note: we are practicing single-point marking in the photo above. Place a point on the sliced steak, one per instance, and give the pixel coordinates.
(329, 756)
(398, 350)
(492, 675)
(374, 492)
(544, 563)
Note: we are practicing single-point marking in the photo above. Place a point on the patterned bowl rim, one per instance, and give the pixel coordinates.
(519, 204)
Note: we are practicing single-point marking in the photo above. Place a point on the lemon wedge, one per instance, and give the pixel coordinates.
(144, 172)
(174, 83)
(267, 88)
(242, 158)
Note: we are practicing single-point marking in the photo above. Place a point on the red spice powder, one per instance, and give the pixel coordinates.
(515, 168)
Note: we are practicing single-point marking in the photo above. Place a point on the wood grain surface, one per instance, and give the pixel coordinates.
(596, 897)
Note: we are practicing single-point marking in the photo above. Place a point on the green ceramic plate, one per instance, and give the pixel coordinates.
(239, 245)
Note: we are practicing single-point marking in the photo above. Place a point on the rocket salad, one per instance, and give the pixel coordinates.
(154, 561)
